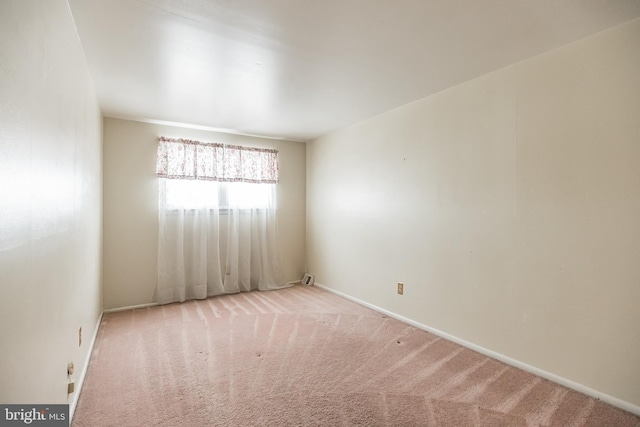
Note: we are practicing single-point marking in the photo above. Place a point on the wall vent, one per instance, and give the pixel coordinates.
(307, 279)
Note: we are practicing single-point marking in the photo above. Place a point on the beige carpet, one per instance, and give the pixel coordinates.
(305, 357)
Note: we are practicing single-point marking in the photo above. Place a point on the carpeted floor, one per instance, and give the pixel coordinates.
(305, 357)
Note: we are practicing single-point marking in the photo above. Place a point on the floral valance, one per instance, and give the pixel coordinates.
(188, 159)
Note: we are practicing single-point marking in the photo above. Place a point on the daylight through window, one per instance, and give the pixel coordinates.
(198, 175)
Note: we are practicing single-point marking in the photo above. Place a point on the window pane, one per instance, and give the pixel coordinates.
(191, 194)
(196, 194)
(244, 195)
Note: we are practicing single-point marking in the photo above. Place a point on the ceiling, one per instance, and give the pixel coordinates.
(298, 69)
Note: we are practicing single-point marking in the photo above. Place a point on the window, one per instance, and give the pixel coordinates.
(199, 175)
(197, 182)
(194, 194)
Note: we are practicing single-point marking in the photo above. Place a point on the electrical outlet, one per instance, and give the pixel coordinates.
(400, 288)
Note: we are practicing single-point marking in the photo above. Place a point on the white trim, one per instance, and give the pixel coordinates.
(74, 402)
(131, 307)
(622, 404)
(154, 304)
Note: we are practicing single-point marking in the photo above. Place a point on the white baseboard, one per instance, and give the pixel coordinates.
(154, 304)
(131, 307)
(74, 402)
(622, 404)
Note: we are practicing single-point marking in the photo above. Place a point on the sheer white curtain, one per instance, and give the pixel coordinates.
(188, 241)
(199, 183)
(253, 257)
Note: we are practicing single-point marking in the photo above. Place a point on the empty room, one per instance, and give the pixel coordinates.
(320, 213)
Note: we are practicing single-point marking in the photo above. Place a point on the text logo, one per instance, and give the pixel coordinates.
(34, 415)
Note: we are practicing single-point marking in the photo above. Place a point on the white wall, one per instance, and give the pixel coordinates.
(50, 202)
(131, 205)
(509, 206)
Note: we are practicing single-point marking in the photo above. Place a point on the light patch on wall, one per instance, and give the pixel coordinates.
(53, 203)
(48, 196)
